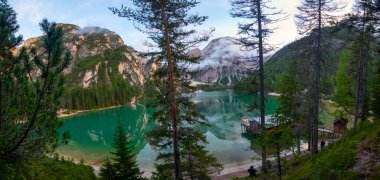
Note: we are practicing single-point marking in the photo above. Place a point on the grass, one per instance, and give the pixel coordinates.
(43, 169)
(330, 111)
(340, 160)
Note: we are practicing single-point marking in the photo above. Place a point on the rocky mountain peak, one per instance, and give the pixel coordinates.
(100, 56)
(223, 62)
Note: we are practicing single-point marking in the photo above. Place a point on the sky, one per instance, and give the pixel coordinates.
(90, 13)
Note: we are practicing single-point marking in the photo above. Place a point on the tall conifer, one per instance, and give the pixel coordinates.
(124, 164)
(313, 16)
(254, 36)
(167, 23)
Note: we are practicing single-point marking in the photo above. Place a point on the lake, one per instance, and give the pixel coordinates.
(92, 132)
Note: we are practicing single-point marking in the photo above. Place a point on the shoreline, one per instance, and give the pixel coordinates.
(60, 114)
(274, 94)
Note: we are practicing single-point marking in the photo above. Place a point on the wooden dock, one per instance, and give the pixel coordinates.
(255, 130)
(326, 132)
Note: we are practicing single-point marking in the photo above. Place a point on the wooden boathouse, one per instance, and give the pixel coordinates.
(253, 126)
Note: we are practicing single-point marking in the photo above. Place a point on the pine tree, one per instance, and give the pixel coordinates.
(168, 22)
(314, 15)
(37, 127)
(9, 41)
(125, 165)
(10, 89)
(363, 21)
(254, 36)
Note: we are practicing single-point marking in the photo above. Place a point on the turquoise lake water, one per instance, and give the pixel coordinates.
(92, 132)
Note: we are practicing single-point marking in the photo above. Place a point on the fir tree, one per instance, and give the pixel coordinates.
(254, 36)
(125, 165)
(279, 137)
(107, 171)
(292, 99)
(363, 21)
(167, 23)
(314, 15)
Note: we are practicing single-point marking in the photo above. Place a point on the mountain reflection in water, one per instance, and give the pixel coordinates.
(92, 132)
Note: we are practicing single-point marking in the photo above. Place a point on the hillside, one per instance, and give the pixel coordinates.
(104, 71)
(355, 156)
(44, 168)
(279, 63)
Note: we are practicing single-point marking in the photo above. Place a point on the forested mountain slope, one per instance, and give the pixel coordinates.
(103, 72)
(279, 63)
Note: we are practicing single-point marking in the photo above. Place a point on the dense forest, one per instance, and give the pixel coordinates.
(111, 88)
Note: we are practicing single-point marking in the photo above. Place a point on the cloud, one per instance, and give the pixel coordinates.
(31, 10)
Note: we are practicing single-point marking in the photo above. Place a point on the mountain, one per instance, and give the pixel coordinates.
(222, 62)
(104, 71)
(96, 49)
(279, 63)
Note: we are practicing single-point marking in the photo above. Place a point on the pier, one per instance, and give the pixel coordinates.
(253, 126)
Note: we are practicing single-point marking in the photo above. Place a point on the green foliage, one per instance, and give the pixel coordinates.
(111, 88)
(125, 165)
(375, 100)
(280, 62)
(99, 96)
(168, 24)
(212, 87)
(280, 137)
(343, 95)
(291, 90)
(33, 128)
(292, 100)
(247, 85)
(336, 161)
(107, 171)
(44, 168)
(10, 89)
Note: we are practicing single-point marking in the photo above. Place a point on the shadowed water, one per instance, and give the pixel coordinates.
(92, 132)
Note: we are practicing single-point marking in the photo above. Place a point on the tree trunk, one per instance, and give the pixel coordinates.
(364, 85)
(356, 110)
(361, 84)
(309, 131)
(278, 160)
(262, 89)
(316, 90)
(298, 143)
(1, 95)
(172, 97)
(190, 164)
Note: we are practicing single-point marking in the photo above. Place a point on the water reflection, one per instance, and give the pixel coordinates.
(225, 109)
(92, 133)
